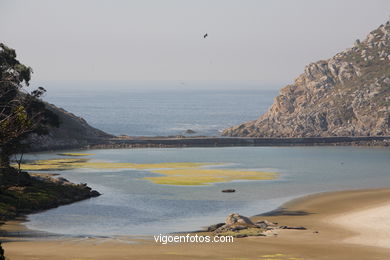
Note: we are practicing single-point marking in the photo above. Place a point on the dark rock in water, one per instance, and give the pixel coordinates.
(229, 190)
(190, 131)
(214, 227)
(95, 193)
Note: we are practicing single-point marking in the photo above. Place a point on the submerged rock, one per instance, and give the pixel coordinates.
(229, 190)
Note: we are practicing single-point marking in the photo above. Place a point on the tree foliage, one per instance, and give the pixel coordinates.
(21, 112)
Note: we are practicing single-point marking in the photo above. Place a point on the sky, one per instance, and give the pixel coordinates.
(155, 43)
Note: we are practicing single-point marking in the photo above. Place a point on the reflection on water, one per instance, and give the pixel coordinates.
(131, 205)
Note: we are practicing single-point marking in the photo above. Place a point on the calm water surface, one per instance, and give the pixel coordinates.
(133, 206)
(162, 113)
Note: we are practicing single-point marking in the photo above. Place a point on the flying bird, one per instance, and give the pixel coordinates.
(204, 36)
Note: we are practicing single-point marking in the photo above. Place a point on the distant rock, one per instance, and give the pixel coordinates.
(190, 132)
(347, 95)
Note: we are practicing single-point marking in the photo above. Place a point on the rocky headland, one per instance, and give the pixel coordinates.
(73, 132)
(23, 193)
(346, 95)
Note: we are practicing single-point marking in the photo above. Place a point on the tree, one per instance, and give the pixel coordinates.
(21, 112)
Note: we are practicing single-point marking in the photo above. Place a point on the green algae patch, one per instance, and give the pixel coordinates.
(178, 173)
(75, 154)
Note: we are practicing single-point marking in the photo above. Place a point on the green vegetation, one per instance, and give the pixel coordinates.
(21, 112)
(21, 193)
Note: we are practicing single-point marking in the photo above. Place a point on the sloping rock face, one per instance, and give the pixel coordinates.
(73, 132)
(347, 95)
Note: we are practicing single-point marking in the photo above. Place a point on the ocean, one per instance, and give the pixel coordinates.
(163, 113)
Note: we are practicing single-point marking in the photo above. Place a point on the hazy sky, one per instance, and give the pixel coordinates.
(264, 43)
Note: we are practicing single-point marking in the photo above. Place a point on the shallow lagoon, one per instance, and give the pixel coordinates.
(131, 205)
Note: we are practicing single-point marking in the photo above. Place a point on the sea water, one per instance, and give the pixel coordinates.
(162, 113)
(130, 205)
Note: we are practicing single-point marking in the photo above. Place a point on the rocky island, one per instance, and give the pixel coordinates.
(334, 97)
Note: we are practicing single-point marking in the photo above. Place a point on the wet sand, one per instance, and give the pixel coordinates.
(334, 231)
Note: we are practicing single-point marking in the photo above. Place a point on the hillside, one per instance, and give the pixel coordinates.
(73, 132)
(346, 95)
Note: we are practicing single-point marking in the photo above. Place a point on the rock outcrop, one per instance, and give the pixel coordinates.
(239, 226)
(347, 95)
(73, 132)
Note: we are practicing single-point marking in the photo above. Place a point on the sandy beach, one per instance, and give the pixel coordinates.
(340, 225)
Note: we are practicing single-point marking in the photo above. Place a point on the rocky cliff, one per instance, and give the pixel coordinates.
(73, 132)
(347, 95)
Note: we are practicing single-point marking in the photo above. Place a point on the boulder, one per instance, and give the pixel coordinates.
(237, 219)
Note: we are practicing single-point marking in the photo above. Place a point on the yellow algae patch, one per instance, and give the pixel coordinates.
(182, 173)
(72, 163)
(109, 165)
(75, 154)
(53, 164)
(201, 176)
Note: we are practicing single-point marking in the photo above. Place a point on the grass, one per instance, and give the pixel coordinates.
(178, 173)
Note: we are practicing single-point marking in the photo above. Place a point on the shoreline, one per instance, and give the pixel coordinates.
(181, 141)
(322, 212)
